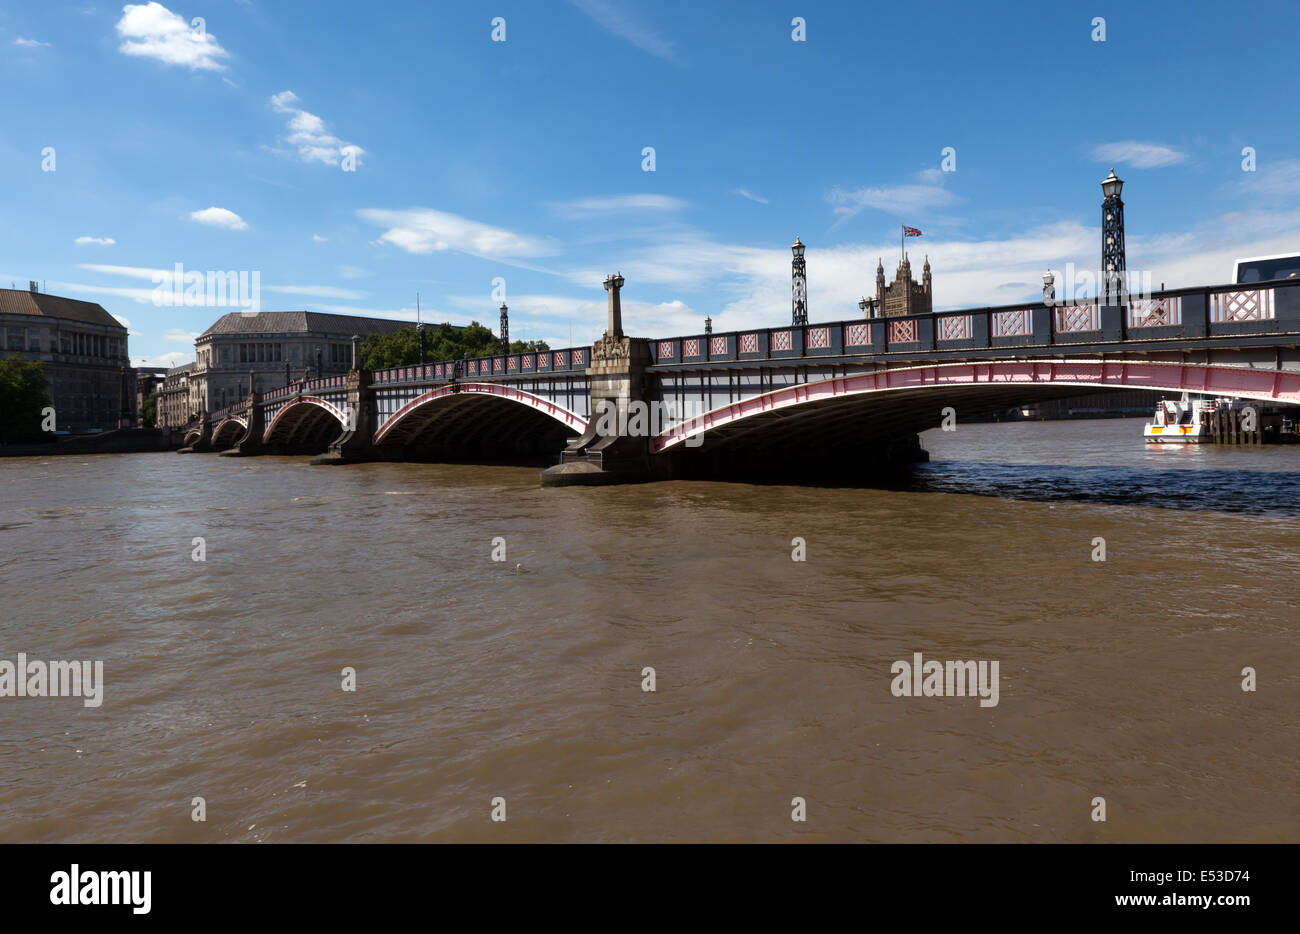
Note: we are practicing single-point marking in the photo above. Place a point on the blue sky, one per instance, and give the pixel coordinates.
(225, 149)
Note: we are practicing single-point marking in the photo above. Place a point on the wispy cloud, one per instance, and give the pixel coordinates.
(425, 230)
(169, 360)
(318, 238)
(892, 199)
(30, 43)
(151, 30)
(219, 217)
(97, 241)
(1138, 155)
(1276, 181)
(179, 336)
(316, 291)
(166, 275)
(617, 19)
(746, 193)
(130, 272)
(585, 208)
(308, 135)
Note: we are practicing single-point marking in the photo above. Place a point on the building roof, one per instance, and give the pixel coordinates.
(304, 322)
(25, 302)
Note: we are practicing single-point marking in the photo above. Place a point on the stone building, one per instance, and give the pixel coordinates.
(83, 348)
(176, 402)
(148, 380)
(276, 346)
(903, 296)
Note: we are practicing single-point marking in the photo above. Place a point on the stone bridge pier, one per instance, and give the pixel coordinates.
(619, 377)
(203, 443)
(250, 445)
(355, 444)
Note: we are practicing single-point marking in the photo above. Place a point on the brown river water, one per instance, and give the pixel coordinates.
(522, 679)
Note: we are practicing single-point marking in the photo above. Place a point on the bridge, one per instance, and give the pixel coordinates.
(844, 397)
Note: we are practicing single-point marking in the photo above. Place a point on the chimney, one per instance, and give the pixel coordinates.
(31, 284)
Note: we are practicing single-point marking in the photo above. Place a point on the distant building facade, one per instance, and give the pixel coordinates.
(176, 403)
(148, 380)
(275, 346)
(903, 296)
(84, 350)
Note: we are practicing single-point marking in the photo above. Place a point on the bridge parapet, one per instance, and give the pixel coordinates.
(1258, 309)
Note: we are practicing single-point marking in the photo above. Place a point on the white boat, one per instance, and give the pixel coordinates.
(1183, 422)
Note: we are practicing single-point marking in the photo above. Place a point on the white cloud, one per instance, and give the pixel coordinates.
(316, 291)
(892, 199)
(219, 217)
(625, 25)
(308, 135)
(98, 241)
(151, 30)
(1276, 180)
(131, 272)
(424, 230)
(535, 314)
(1138, 155)
(318, 238)
(179, 336)
(746, 193)
(140, 296)
(353, 272)
(30, 43)
(169, 360)
(585, 208)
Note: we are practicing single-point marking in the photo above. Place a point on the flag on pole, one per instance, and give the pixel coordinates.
(910, 231)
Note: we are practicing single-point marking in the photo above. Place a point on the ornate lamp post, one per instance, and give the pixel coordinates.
(798, 286)
(419, 330)
(708, 325)
(1112, 239)
(1049, 288)
(505, 329)
(319, 370)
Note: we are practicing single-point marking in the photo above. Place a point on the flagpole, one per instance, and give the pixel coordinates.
(902, 232)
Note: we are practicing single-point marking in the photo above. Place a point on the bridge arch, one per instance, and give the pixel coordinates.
(228, 432)
(305, 423)
(479, 420)
(895, 402)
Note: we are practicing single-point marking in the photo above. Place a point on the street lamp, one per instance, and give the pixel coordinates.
(798, 285)
(1113, 263)
(708, 325)
(319, 370)
(1111, 185)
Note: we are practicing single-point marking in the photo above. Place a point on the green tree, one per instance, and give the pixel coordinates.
(383, 351)
(528, 346)
(23, 393)
(149, 411)
(441, 342)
